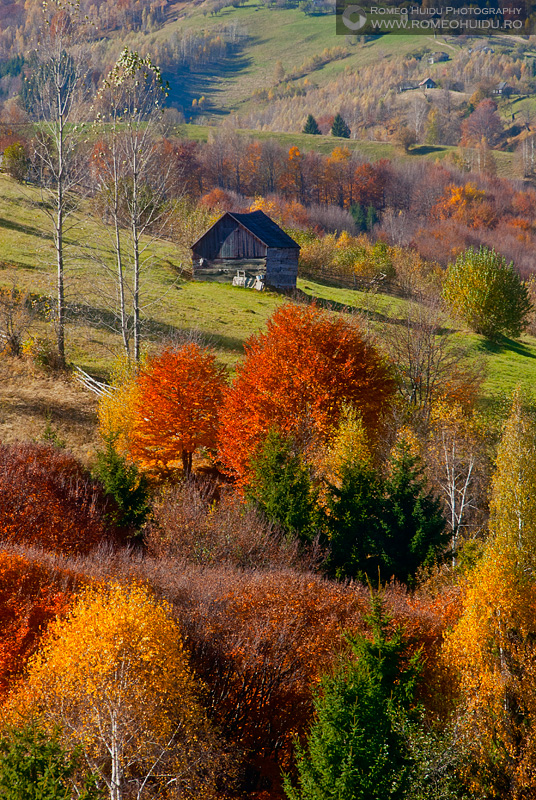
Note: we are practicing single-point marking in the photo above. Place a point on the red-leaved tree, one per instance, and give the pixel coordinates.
(176, 407)
(297, 376)
(31, 596)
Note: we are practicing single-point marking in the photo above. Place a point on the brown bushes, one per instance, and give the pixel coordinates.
(189, 524)
(48, 500)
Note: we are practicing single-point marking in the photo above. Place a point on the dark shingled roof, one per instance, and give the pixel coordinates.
(264, 229)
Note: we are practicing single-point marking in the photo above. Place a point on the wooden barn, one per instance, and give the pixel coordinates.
(250, 243)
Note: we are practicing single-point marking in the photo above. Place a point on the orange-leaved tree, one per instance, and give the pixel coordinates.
(31, 595)
(492, 648)
(175, 409)
(113, 676)
(298, 376)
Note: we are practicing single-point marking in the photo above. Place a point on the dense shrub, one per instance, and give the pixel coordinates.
(486, 292)
(188, 523)
(48, 500)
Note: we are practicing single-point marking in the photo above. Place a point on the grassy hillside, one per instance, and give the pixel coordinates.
(223, 315)
(274, 34)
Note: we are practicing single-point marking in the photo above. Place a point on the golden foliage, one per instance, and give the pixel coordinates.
(114, 676)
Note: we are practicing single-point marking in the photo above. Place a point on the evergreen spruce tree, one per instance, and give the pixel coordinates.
(386, 526)
(371, 219)
(414, 530)
(354, 522)
(311, 126)
(34, 766)
(359, 217)
(355, 750)
(340, 128)
(123, 482)
(281, 486)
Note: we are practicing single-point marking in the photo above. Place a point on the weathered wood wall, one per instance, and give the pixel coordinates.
(227, 239)
(282, 267)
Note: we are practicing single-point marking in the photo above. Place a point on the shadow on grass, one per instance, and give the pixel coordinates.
(425, 150)
(505, 345)
(152, 330)
(28, 229)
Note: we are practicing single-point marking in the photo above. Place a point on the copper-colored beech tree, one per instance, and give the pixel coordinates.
(297, 376)
(175, 408)
(31, 596)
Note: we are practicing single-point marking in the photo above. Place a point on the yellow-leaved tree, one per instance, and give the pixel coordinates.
(114, 677)
(115, 411)
(492, 649)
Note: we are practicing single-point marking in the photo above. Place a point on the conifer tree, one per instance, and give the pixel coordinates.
(123, 481)
(281, 486)
(354, 522)
(354, 750)
(340, 128)
(371, 218)
(388, 525)
(35, 766)
(359, 217)
(413, 523)
(311, 126)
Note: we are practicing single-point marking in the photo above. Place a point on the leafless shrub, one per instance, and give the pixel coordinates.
(331, 219)
(189, 524)
(17, 316)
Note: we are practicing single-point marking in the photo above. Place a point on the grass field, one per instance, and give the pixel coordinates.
(275, 34)
(224, 316)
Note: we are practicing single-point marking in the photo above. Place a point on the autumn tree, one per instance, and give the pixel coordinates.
(179, 393)
(297, 376)
(131, 181)
(31, 596)
(16, 162)
(455, 453)
(483, 122)
(429, 363)
(491, 649)
(486, 292)
(113, 676)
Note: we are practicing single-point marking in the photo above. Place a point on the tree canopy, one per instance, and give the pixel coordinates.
(486, 292)
(297, 376)
(114, 678)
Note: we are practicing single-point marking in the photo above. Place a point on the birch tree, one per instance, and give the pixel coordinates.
(57, 91)
(131, 180)
(115, 679)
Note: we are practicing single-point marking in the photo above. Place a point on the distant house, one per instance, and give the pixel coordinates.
(503, 89)
(428, 83)
(435, 58)
(251, 243)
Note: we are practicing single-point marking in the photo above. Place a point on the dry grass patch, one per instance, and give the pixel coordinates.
(32, 402)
